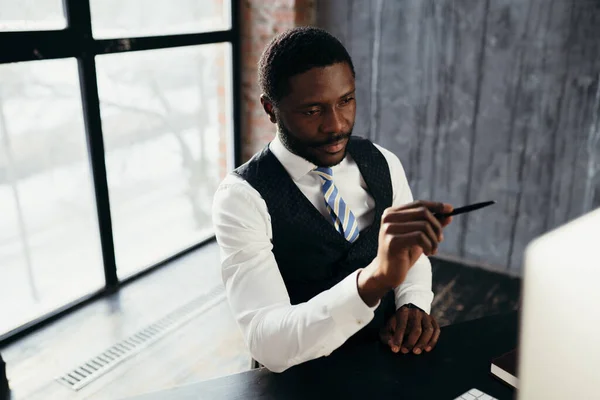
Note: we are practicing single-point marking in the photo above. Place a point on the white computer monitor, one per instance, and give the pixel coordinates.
(559, 339)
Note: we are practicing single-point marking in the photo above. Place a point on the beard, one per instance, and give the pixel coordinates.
(303, 148)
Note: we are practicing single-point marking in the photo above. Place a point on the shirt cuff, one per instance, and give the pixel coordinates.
(348, 309)
(419, 299)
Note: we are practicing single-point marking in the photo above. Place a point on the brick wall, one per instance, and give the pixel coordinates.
(224, 114)
(260, 21)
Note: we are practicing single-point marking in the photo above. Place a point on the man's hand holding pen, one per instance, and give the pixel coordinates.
(405, 234)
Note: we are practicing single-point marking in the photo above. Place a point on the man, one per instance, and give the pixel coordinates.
(320, 240)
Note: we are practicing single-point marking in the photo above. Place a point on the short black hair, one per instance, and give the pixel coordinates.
(296, 51)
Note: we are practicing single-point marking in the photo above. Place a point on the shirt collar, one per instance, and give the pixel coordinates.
(295, 165)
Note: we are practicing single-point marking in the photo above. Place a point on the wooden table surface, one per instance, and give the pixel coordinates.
(460, 361)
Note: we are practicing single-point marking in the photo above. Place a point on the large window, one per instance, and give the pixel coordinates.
(130, 18)
(49, 240)
(30, 15)
(163, 115)
(116, 126)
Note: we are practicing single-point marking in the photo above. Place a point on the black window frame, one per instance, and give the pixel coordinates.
(77, 41)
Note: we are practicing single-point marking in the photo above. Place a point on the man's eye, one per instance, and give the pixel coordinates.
(310, 112)
(347, 100)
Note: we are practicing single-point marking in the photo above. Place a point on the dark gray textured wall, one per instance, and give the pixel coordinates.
(482, 100)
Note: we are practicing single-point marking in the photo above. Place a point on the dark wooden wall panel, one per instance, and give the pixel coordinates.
(360, 28)
(575, 182)
(545, 65)
(483, 99)
(426, 95)
(497, 142)
(334, 16)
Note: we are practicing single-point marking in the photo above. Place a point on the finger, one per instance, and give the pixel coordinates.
(386, 334)
(426, 336)
(435, 223)
(433, 206)
(401, 322)
(414, 332)
(412, 215)
(418, 226)
(447, 208)
(445, 221)
(420, 239)
(435, 337)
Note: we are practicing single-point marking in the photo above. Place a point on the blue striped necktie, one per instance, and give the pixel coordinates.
(343, 219)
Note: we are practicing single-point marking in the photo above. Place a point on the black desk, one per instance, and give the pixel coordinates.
(460, 362)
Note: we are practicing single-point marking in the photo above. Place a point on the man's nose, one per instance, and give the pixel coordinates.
(333, 122)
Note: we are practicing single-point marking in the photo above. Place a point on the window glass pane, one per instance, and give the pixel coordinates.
(31, 15)
(133, 18)
(166, 123)
(49, 242)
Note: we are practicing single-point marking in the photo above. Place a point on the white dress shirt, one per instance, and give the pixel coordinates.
(280, 335)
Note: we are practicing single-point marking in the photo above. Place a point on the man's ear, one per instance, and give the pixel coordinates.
(268, 107)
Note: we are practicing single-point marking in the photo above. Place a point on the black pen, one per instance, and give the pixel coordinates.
(465, 209)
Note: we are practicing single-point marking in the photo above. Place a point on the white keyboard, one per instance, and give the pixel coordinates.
(475, 394)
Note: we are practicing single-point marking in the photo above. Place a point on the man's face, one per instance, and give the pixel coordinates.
(315, 119)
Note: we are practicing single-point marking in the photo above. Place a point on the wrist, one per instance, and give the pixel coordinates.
(371, 285)
(412, 306)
